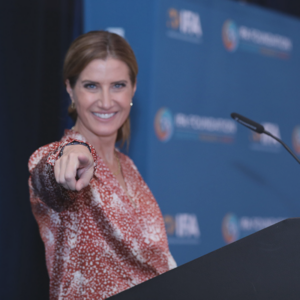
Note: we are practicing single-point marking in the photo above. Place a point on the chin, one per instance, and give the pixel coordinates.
(106, 133)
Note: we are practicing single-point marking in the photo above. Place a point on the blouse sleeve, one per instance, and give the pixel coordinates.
(42, 180)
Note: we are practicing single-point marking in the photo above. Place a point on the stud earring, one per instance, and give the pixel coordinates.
(131, 103)
(73, 105)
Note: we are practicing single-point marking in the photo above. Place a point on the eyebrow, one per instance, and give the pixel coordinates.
(121, 80)
(95, 82)
(89, 81)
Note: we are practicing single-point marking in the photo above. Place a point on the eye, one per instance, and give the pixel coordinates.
(90, 86)
(119, 85)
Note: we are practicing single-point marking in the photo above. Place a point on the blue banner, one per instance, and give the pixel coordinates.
(214, 180)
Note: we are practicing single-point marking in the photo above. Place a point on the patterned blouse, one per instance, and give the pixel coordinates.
(98, 241)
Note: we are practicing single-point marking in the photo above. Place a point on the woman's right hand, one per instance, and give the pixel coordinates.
(75, 168)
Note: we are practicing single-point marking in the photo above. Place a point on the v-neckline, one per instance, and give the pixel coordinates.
(123, 191)
(75, 134)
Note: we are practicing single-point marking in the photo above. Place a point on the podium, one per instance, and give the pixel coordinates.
(264, 265)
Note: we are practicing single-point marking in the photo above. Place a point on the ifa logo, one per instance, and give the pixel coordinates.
(184, 25)
(182, 228)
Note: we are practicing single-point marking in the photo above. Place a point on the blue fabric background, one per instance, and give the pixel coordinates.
(226, 185)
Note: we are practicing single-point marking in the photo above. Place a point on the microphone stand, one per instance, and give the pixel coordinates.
(260, 129)
(283, 144)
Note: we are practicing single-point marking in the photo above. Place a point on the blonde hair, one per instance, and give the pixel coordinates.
(99, 45)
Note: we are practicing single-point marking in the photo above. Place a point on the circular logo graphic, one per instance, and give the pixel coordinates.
(173, 21)
(169, 224)
(230, 228)
(230, 35)
(163, 124)
(255, 137)
(296, 139)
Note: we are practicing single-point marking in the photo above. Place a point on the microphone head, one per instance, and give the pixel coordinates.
(248, 123)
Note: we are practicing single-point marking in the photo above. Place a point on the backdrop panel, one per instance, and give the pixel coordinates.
(199, 61)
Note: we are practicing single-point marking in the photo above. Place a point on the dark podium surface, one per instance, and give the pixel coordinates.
(264, 265)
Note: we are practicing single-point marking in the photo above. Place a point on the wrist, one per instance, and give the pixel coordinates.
(74, 143)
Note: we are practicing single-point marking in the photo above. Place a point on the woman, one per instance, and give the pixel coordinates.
(102, 229)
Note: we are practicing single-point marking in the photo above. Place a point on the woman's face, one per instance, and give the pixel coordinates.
(102, 96)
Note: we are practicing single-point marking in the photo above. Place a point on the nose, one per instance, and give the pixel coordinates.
(105, 99)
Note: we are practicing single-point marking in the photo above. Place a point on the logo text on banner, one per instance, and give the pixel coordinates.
(184, 25)
(263, 142)
(193, 127)
(234, 228)
(296, 139)
(183, 228)
(255, 40)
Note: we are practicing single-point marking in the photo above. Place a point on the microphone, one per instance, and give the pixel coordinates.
(260, 129)
(248, 123)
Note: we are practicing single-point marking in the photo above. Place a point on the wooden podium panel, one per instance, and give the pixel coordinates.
(264, 265)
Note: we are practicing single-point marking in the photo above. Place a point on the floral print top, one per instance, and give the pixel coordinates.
(98, 243)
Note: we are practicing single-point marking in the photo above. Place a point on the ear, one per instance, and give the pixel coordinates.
(134, 89)
(69, 89)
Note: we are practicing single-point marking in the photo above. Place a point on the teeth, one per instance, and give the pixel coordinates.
(104, 116)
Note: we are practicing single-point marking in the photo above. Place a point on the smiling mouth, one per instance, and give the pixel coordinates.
(104, 116)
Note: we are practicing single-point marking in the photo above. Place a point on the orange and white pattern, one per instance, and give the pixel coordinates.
(98, 243)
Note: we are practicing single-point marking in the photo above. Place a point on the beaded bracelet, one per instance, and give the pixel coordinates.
(74, 143)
